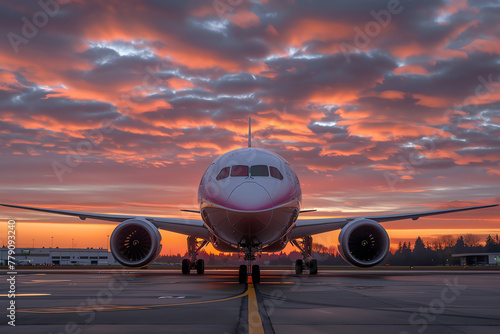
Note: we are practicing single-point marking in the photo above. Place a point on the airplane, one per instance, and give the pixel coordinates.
(249, 201)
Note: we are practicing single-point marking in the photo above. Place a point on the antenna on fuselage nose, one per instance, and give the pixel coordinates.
(249, 131)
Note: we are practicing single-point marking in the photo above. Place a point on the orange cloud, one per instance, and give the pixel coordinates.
(411, 69)
(308, 29)
(245, 19)
(483, 45)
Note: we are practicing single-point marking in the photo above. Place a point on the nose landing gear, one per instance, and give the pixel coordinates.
(253, 270)
(255, 273)
(243, 274)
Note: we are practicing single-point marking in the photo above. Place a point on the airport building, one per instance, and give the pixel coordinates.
(59, 256)
(479, 259)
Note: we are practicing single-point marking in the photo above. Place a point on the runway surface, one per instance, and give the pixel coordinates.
(154, 301)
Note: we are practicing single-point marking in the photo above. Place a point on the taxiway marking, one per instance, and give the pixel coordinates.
(254, 320)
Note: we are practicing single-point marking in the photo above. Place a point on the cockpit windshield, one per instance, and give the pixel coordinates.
(245, 171)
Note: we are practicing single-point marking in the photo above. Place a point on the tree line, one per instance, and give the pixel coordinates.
(434, 253)
(439, 251)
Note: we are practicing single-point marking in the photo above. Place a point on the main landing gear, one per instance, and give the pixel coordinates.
(199, 265)
(308, 263)
(194, 246)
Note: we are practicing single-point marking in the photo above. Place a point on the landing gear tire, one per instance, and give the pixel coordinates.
(186, 266)
(255, 273)
(299, 267)
(313, 267)
(243, 275)
(200, 267)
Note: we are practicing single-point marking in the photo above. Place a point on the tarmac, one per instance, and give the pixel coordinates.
(334, 301)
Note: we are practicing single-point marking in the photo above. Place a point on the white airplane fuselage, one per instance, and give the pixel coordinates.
(249, 197)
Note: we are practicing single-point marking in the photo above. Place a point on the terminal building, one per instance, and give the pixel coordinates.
(479, 259)
(59, 256)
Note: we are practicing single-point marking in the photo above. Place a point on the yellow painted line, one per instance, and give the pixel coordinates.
(104, 308)
(28, 294)
(254, 320)
(47, 281)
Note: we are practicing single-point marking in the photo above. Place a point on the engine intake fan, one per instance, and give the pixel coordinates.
(135, 243)
(363, 243)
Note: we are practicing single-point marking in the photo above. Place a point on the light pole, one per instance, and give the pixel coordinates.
(52, 244)
(72, 242)
(33, 243)
(107, 242)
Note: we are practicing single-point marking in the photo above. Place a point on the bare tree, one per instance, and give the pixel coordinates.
(472, 240)
(332, 250)
(437, 244)
(319, 248)
(447, 240)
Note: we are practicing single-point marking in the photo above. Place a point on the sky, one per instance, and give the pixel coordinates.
(380, 106)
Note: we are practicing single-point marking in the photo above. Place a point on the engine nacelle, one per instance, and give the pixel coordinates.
(135, 243)
(363, 243)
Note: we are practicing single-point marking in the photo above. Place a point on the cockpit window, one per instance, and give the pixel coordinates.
(224, 172)
(275, 173)
(259, 170)
(239, 170)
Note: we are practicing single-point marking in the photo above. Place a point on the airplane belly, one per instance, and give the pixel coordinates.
(249, 223)
(263, 227)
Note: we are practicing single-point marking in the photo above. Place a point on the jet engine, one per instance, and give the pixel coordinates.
(363, 243)
(135, 243)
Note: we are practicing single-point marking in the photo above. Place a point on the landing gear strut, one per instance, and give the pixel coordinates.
(305, 246)
(194, 246)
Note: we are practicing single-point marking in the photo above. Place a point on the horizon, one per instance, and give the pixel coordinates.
(434, 244)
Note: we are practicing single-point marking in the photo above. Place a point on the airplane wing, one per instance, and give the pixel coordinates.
(307, 227)
(194, 227)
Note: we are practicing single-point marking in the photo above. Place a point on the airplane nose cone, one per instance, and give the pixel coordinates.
(249, 196)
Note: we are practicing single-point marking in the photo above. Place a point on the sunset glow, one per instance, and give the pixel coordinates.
(116, 108)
